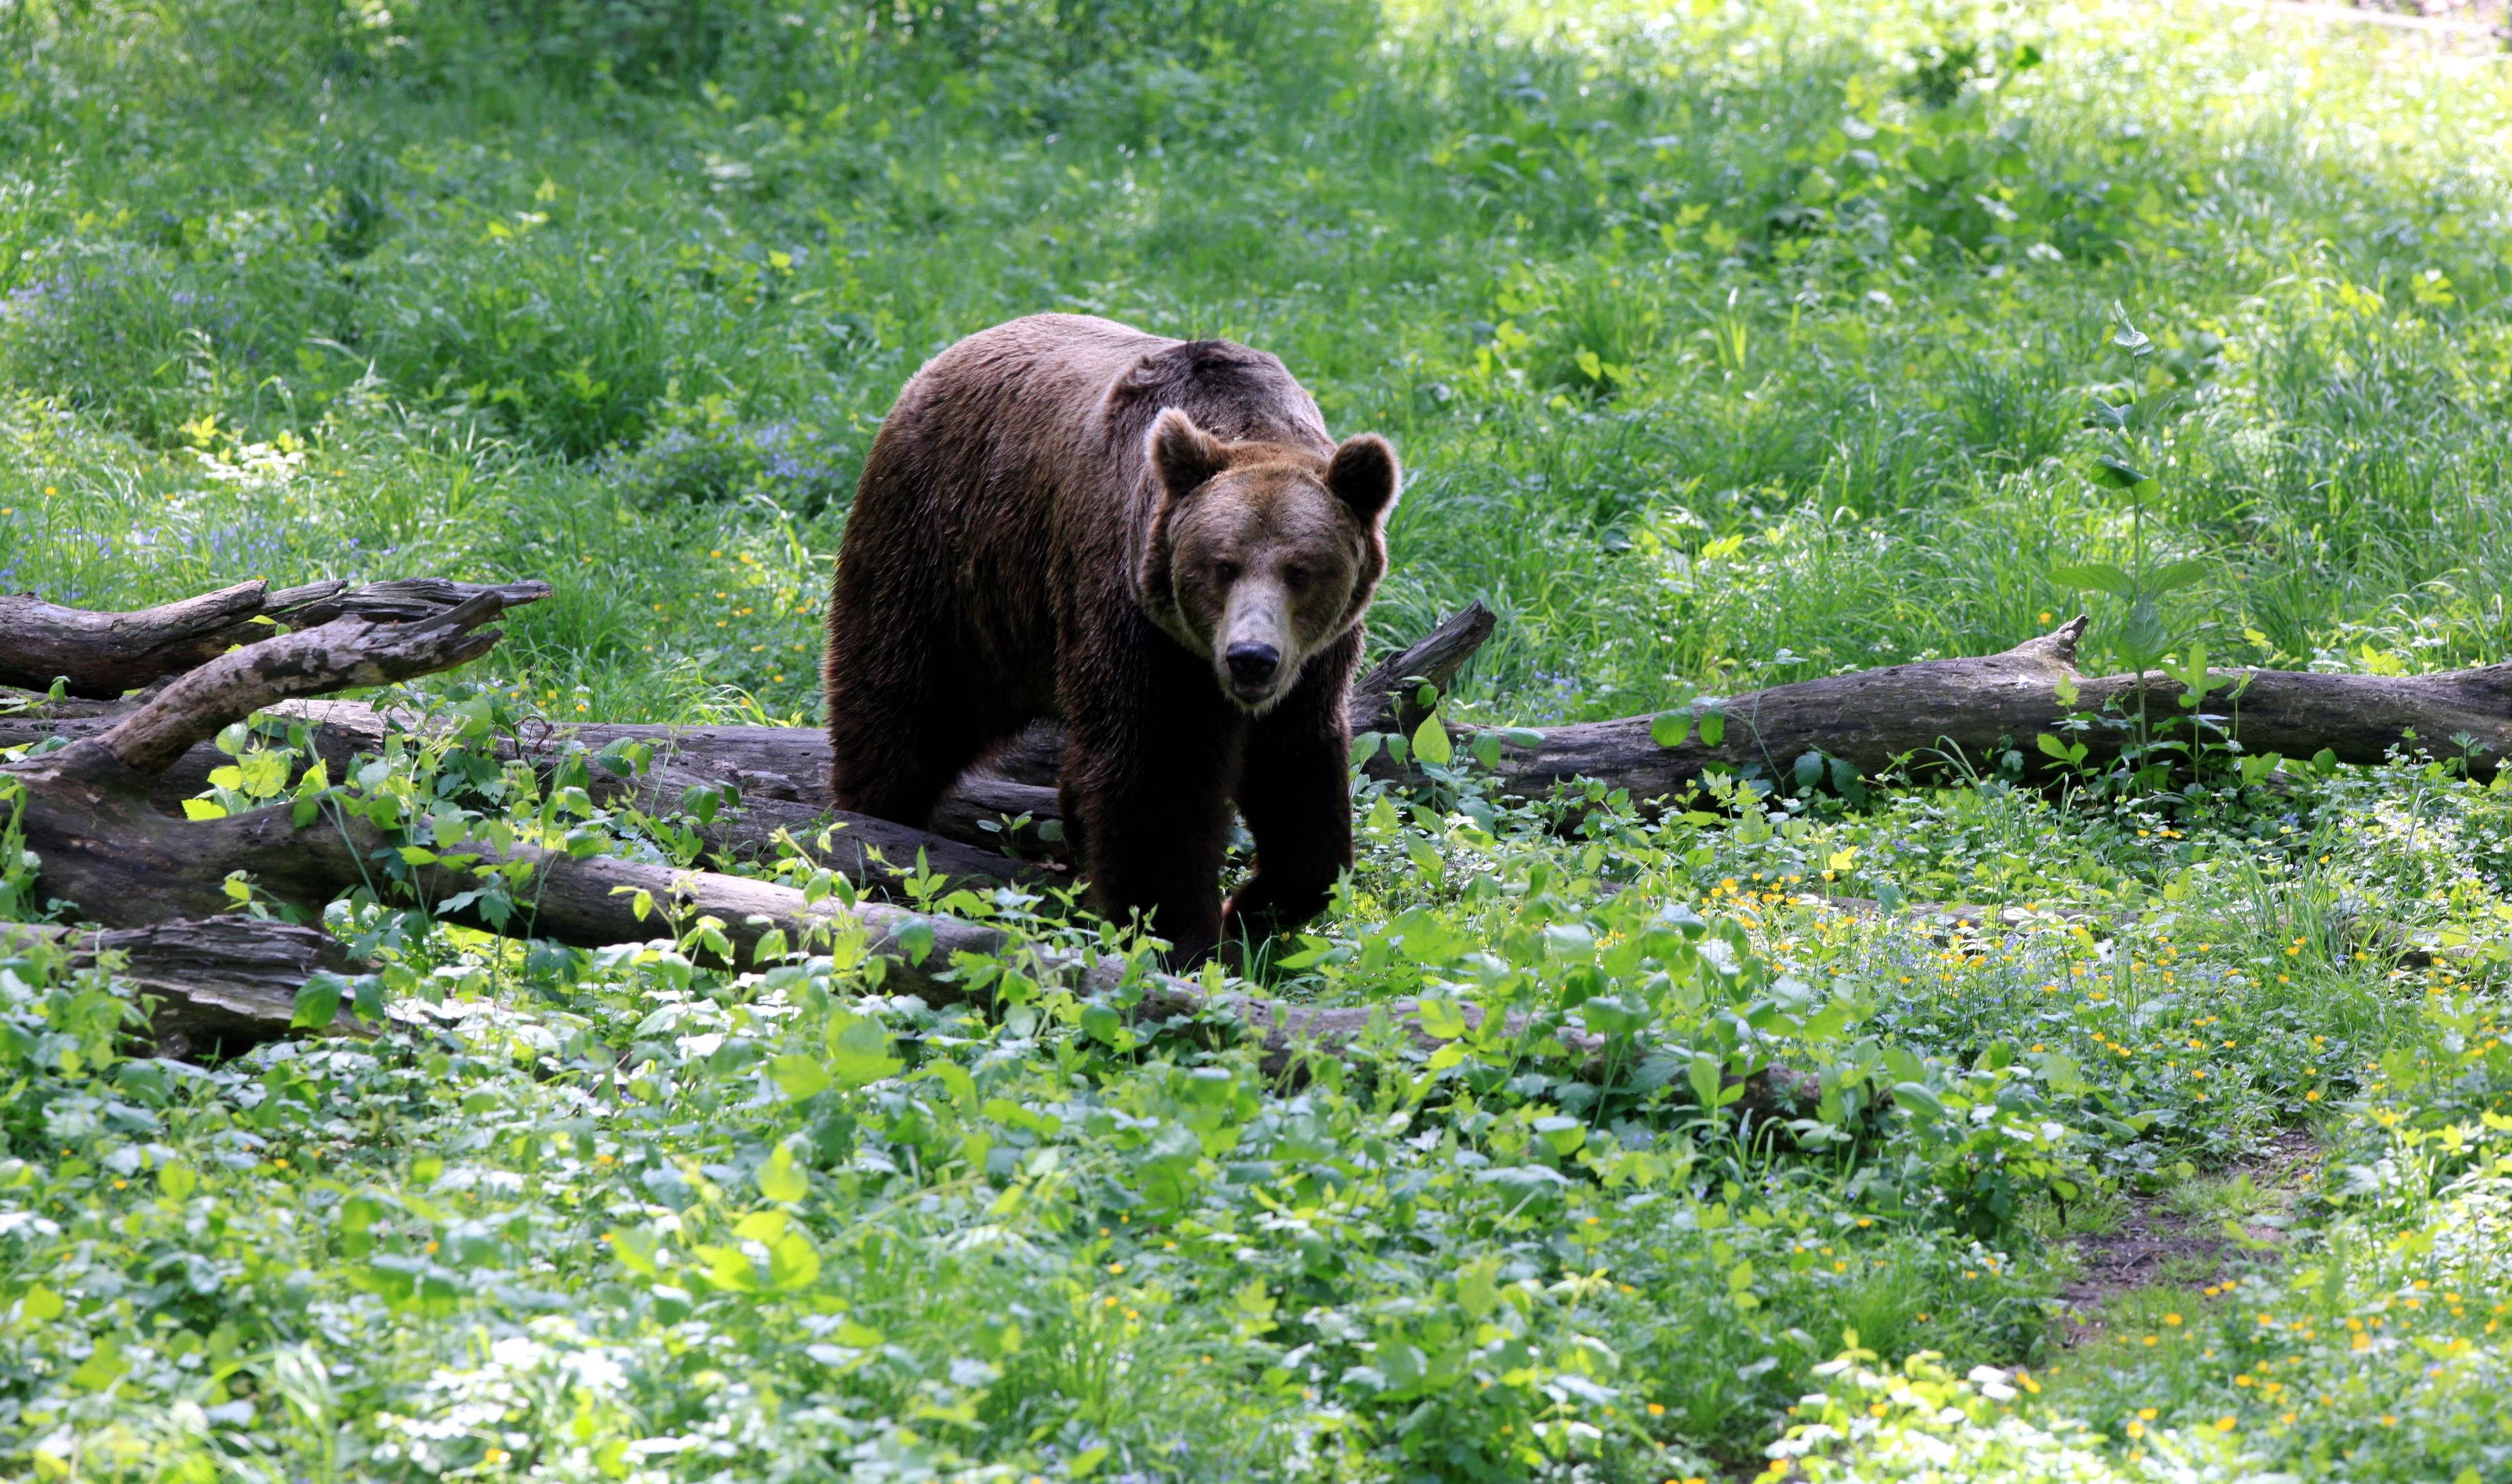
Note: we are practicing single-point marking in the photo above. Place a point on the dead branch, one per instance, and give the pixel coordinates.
(104, 654)
(90, 810)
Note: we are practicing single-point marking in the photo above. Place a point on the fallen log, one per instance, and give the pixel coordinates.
(209, 985)
(148, 879)
(1951, 713)
(104, 654)
(90, 809)
(986, 828)
(1927, 716)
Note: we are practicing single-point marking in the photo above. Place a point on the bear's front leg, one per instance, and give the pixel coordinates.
(1150, 752)
(1295, 793)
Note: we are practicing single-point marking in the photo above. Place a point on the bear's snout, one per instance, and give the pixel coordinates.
(1252, 665)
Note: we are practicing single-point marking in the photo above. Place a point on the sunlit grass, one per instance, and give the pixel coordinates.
(1724, 345)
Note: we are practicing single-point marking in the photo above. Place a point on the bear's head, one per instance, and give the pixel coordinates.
(1262, 554)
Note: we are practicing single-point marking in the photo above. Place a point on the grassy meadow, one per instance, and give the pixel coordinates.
(1724, 345)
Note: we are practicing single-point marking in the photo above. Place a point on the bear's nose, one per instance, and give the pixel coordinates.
(1253, 664)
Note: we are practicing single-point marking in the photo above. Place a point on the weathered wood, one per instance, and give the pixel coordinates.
(343, 654)
(868, 850)
(1930, 713)
(148, 879)
(104, 654)
(85, 811)
(781, 773)
(210, 985)
(1965, 712)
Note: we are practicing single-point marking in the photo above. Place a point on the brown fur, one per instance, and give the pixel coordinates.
(1038, 535)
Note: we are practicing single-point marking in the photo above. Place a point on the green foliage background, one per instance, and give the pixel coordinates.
(1724, 345)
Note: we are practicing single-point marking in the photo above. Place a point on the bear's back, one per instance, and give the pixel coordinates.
(1019, 452)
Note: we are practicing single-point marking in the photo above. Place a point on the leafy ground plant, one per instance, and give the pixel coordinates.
(1724, 346)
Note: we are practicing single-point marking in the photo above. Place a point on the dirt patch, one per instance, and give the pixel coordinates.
(2157, 1241)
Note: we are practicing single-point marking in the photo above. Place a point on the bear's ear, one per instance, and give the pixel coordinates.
(1185, 455)
(1364, 477)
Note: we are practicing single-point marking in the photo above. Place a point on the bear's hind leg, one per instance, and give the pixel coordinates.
(900, 735)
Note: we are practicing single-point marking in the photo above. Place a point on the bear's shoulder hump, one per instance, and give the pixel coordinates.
(1171, 375)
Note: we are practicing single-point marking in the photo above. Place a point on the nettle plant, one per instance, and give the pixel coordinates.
(2190, 744)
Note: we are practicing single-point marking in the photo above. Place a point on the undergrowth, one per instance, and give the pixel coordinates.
(1723, 346)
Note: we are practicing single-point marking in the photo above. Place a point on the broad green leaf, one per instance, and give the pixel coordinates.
(40, 1304)
(797, 1076)
(859, 1051)
(634, 1247)
(1562, 1135)
(1615, 1014)
(1102, 1024)
(726, 1267)
(264, 774)
(1430, 742)
(780, 1179)
(2141, 635)
(1425, 857)
(1912, 1096)
(102, 1367)
(1670, 728)
(962, 1087)
(1442, 1018)
(793, 1263)
(1704, 1073)
(317, 1001)
(2061, 1072)
(762, 1226)
(1713, 726)
(2100, 576)
(2117, 473)
(2178, 575)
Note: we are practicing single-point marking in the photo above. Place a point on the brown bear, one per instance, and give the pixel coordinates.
(1151, 540)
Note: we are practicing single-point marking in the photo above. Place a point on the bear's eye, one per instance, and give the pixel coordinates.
(1224, 571)
(1295, 577)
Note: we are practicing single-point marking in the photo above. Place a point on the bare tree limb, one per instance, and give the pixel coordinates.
(343, 654)
(104, 654)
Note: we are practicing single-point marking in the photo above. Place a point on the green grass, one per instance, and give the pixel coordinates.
(1723, 347)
